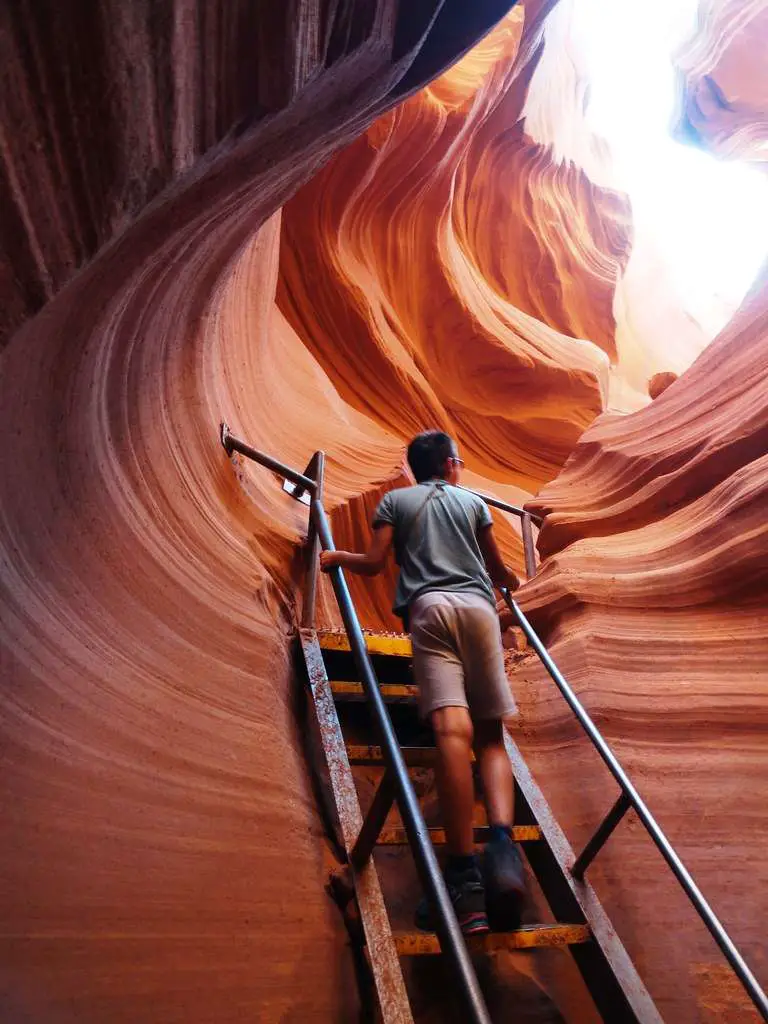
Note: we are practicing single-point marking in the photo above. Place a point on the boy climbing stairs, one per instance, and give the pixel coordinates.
(362, 696)
(355, 765)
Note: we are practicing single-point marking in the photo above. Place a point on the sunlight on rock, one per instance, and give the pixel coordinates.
(709, 216)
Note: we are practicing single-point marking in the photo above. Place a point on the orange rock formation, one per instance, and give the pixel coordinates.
(653, 595)
(432, 294)
(161, 855)
(726, 79)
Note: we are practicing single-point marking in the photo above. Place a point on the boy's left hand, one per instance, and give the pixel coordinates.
(328, 560)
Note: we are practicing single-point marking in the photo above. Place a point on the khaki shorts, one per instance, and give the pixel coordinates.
(458, 660)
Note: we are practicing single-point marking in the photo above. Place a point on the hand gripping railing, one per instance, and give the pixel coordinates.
(628, 798)
(395, 785)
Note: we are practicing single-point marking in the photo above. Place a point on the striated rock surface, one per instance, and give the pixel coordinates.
(725, 77)
(161, 856)
(444, 270)
(103, 106)
(653, 596)
(179, 210)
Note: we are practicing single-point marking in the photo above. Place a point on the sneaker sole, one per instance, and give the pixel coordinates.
(474, 924)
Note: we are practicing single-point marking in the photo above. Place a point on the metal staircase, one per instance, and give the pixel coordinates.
(579, 922)
(347, 670)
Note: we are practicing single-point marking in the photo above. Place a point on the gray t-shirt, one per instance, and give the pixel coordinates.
(436, 543)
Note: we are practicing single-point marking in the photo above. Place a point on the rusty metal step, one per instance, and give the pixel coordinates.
(393, 693)
(394, 835)
(533, 936)
(394, 644)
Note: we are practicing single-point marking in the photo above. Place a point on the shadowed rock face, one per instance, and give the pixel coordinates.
(217, 215)
(160, 853)
(444, 270)
(105, 105)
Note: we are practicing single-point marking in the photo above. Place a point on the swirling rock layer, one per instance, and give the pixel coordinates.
(433, 296)
(654, 595)
(161, 857)
(726, 80)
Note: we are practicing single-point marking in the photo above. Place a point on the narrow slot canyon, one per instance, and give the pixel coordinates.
(334, 226)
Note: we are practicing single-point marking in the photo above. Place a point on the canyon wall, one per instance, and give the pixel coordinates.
(214, 212)
(653, 596)
(161, 854)
(470, 263)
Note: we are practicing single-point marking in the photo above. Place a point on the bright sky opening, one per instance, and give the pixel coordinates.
(709, 216)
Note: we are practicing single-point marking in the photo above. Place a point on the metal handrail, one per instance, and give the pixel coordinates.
(527, 519)
(451, 940)
(631, 798)
(234, 444)
(396, 774)
(505, 506)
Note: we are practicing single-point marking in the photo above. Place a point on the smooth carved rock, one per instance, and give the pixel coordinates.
(435, 294)
(161, 854)
(161, 851)
(654, 597)
(726, 80)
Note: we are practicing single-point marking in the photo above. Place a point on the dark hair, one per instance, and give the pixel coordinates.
(427, 454)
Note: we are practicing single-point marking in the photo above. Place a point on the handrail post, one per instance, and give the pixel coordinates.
(374, 821)
(603, 832)
(315, 469)
(529, 548)
(451, 939)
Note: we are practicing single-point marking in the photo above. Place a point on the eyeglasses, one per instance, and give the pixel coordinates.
(455, 458)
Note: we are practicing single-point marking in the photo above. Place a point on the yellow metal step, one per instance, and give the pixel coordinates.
(389, 691)
(395, 835)
(415, 757)
(530, 937)
(395, 644)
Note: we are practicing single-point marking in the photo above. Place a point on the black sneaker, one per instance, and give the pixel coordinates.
(468, 898)
(504, 883)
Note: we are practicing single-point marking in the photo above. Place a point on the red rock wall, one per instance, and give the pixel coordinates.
(653, 591)
(160, 854)
(654, 595)
(435, 296)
